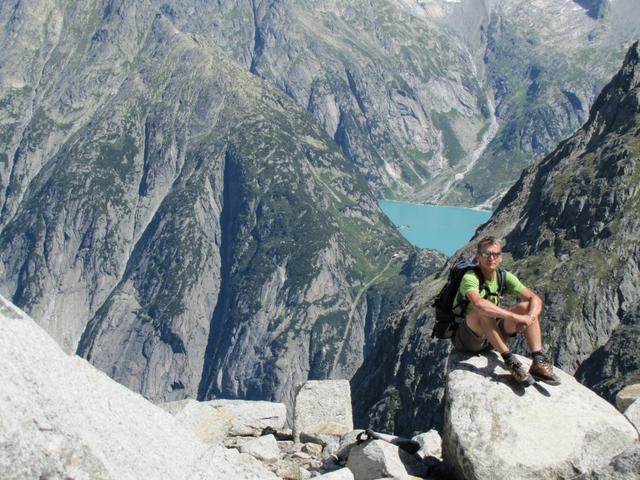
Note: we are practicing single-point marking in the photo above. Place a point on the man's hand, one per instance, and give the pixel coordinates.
(523, 322)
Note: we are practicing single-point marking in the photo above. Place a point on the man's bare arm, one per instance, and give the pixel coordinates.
(535, 302)
(490, 309)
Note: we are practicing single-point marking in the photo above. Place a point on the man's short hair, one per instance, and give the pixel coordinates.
(486, 241)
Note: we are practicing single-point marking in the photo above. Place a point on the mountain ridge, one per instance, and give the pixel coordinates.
(136, 229)
(570, 229)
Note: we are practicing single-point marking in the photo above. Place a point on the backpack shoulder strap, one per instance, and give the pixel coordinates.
(502, 281)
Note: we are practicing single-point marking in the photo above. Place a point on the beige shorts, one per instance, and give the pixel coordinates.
(466, 340)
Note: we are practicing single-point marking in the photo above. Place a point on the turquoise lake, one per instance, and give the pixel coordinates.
(432, 226)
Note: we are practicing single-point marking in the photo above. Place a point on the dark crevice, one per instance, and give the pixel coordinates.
(354, 90)
(219, 330)
(143, 188)
(258, 40)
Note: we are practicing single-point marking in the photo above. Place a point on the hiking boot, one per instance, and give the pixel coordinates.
(542, 369)
(518, 372)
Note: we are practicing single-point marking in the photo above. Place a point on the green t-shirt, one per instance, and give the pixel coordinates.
(471, 283)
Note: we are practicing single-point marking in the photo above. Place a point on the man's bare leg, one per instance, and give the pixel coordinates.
(487, 327)
(532, 333)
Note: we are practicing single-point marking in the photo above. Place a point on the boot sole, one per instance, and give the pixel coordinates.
(548, 381)
(527, 382)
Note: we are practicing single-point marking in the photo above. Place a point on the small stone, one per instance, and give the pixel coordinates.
(379, 459)
(301, 455)
(263, 448)
(331, 451)
(312, 449)
(347, 442)
(319, 438)
(288, 446)
(341, 474)
(304, 474)
(430, 444)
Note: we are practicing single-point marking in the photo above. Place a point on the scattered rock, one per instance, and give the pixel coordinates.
(342, 474)
(304, 474)
(210, 425)
(312, 449)
(281, 435)
(302, 455)
(497, 429)
(251, 417)
(347, 442)
(376, 459)
(263, 448)
(287, 469)
(331, 451)
(430, 444)
(323, 408)
(627, 396)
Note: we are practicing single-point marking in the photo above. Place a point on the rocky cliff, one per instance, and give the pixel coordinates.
(180, 222)
(430, 100)
(188, 190)
(62, 418)
(571, 227)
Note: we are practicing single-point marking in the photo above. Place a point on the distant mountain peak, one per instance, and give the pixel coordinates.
(607, 105)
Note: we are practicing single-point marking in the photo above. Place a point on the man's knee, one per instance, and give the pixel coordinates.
(480, 323)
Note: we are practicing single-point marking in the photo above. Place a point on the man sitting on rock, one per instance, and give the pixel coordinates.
(486, 325)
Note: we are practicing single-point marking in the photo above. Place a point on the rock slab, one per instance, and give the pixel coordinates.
(263, 448)
(62, 418)
(323, 407)
(341, 474)
(209, 424)
(376, 459)
(495, 428)
(214, 420)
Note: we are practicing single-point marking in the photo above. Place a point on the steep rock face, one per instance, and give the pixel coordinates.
(617, 363)
(427, 99)
(62, 418)
(177, 220)
(401, 99)
(539, 83)
(571, 228)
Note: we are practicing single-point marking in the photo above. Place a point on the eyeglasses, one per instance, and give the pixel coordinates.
(490, 254)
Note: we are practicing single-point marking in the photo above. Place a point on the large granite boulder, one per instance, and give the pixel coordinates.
(62, 418)
(323, 407)
(495, 428)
